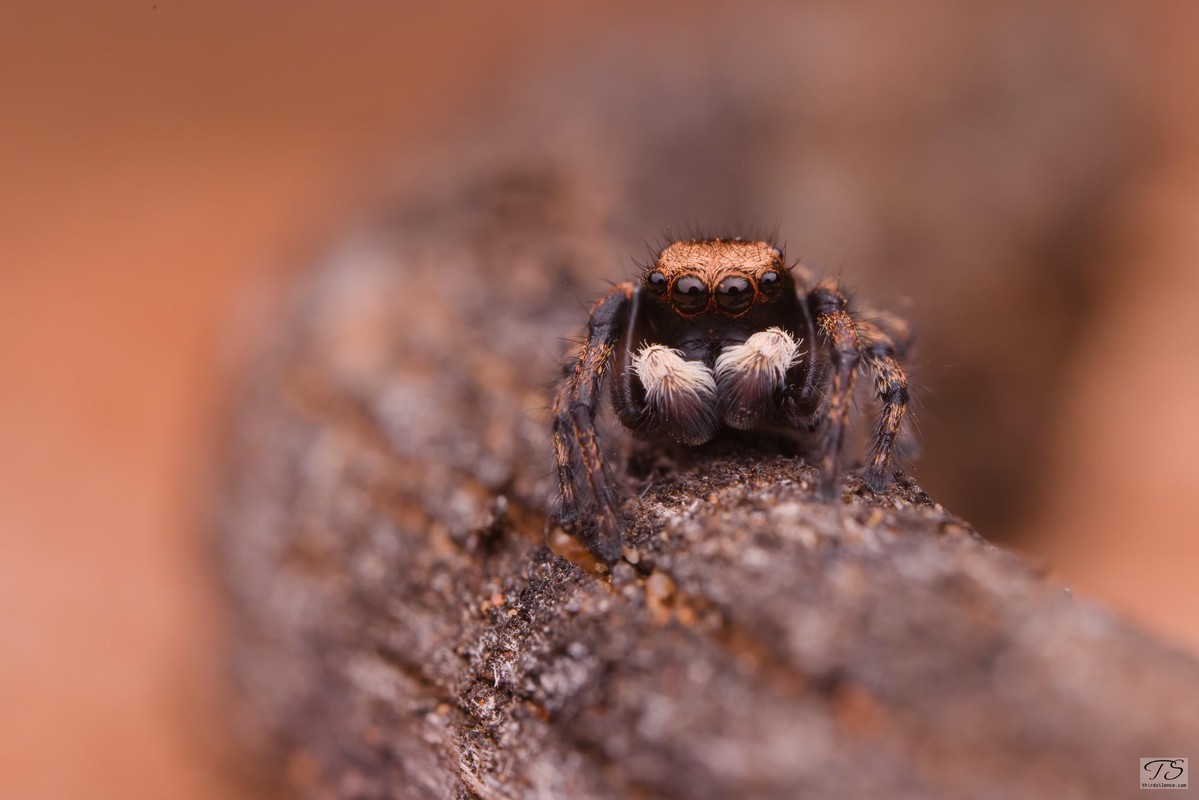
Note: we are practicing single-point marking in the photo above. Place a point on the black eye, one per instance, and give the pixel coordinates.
(656, 282)
(734, 294)
(769, 282)
(690, 294)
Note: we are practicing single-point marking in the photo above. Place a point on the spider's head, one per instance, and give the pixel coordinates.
(724, 276)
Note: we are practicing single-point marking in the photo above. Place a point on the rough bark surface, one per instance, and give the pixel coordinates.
(406, 624)
(403, 630)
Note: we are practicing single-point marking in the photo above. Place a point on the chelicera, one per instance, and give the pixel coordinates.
(719, 334)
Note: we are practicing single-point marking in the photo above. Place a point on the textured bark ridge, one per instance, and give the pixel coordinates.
(403, 626)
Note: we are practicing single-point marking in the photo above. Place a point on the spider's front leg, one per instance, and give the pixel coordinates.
(835, 328)
(855, 343)
(588, 496)
(883, 347)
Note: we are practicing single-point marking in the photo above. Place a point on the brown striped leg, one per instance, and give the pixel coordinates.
(881, 358)
(588, 495)
(836, 328)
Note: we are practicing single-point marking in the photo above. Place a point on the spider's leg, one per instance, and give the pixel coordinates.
(588, 495)
(629, 400)
(881, 356)
(835, 329)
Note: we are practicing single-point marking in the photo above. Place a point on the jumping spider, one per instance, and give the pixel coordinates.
(719, 334)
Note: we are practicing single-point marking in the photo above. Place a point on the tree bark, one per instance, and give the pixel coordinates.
(405, 627)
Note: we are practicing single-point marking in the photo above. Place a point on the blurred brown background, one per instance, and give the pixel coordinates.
(161, 165)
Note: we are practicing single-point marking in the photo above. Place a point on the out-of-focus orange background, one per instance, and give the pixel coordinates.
(160, 163)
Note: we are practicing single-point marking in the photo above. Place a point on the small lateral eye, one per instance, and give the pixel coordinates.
(656, 282)
(690, 294)
(769, 281)
(734, 294)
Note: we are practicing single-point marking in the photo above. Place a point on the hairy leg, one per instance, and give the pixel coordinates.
(881, 356)
(836, 330)
(588, 496)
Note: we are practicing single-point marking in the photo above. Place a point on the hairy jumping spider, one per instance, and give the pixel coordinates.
(719, 334)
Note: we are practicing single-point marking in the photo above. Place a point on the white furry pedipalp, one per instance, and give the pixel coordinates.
(749, 374)
(767, 355)
(682, 392)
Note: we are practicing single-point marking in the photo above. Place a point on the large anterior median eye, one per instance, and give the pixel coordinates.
(690, 294)
(734, 294)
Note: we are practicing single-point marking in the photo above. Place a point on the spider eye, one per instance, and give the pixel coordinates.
(769, 282)
(690, 294)
(656, 282)
(734, 294)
